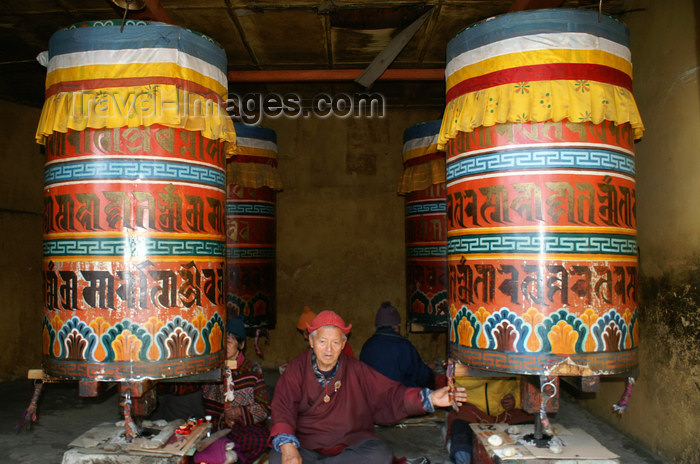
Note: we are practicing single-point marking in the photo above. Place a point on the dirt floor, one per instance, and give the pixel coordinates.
(63, 416)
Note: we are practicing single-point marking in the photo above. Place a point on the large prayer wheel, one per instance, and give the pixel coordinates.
(423, 184)
(539, 132)
(251, 224)
(134, 202)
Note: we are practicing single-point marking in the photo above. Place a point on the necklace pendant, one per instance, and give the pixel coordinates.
(326, 399)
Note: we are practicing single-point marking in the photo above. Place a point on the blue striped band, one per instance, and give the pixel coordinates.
(133, 169)
(255, 132)
(544, 243)
(426, 251)
(250, 253)
(249, 209)
(133, 246)
(426, 207)
(538, 158)
(544, 21)
(155, 35)
(423, 129)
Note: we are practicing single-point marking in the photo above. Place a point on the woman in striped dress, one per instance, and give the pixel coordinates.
(241, 403)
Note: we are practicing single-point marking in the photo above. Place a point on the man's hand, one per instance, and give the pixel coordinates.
(442, 397)
(232, 414)
(290, 454)
(508, 402)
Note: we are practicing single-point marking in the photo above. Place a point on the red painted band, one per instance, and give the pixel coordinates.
(542, 72)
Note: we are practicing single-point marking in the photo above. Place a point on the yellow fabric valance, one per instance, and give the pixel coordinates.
(424, 164)
(253, 161)
(539, 102)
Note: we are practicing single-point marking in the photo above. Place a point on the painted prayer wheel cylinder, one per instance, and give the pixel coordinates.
(541, 221)
(251, 241)
(426, 234)
(134, 248)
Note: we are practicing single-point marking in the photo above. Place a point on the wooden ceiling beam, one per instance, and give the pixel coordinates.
(520, 5)
(384, 58)
(321, 75)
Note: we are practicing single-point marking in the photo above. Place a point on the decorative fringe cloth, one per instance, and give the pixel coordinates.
(424, 164)
(539, 102)
(422, 176)
(100, 78)
(253, 160)
(191, 112)
(253, 175)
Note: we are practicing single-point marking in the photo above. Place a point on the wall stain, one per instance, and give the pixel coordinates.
(671, 303)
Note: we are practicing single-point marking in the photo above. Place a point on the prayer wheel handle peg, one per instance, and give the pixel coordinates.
(548, 390)
(130, 4)
(127, 5)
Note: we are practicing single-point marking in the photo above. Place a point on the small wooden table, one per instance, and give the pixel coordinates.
(106, 443)
(579, 447)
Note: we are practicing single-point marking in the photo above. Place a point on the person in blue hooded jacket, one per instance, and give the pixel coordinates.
(393, 355)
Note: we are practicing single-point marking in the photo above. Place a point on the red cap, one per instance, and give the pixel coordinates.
(328, 318)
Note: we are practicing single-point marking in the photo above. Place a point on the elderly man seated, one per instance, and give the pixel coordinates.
(326, 403)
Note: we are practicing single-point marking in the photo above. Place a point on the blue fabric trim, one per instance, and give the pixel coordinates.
(152, 36)
(283, 439)
(541, 21)
(425, 400)
(255, 132)
(133, 169)
(462, 457)
(541, 158)
(422, 129)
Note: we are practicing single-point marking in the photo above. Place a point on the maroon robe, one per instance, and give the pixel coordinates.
(364, 397)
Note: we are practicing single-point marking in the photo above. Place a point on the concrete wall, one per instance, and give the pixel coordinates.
(21, 228)
(663, 411)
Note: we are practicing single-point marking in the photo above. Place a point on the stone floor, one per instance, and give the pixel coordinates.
(63, 416)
